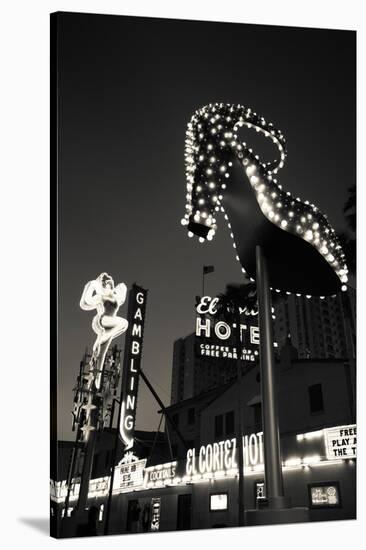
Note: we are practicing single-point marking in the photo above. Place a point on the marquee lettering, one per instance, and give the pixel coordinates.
(341, 442)
(203, 325)
(207, 305)
(221, 456)
(136, 330)
(212, 458)
(224, 331)
(138, 314)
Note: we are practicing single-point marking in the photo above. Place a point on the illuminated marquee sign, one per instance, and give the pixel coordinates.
(97, 488)
(222, 456)
(58, 490)
(341, 442)
(131, 363)
(160, 474)
(129, 474)
(217, 336)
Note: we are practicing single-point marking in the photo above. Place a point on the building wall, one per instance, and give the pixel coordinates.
(202, 516)
(168, 513)
(293, 395)
(296, 484)
(191, 432)
(336, 379)
(183, 369)
(177, 387)
(318, 328)
(225, 403)
(193, 374)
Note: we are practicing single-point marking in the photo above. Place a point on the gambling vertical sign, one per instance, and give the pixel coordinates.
(131, 364)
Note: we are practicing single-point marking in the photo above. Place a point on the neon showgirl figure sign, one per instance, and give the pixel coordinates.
(102, 295)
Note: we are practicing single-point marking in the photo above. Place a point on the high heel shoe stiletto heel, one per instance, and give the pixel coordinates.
(303, 252)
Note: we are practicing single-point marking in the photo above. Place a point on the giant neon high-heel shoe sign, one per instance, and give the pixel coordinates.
(279, 241)
(303, 252)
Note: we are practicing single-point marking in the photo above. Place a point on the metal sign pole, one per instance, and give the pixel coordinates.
(271, 436)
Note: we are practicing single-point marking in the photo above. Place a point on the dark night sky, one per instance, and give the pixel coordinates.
(128, 87)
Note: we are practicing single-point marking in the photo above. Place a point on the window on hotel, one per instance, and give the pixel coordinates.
(219, 426)
(316, 398)
(191, 416)
(257, 410)
(229, 423)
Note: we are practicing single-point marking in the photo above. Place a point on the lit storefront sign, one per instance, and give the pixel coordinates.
(341, 442)
(97, 488)
(218, 502)
(324, 495)
(129, 474)
(162, 474)
(58, 490)
(260, 491)
(131, 363)
(155, 514)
